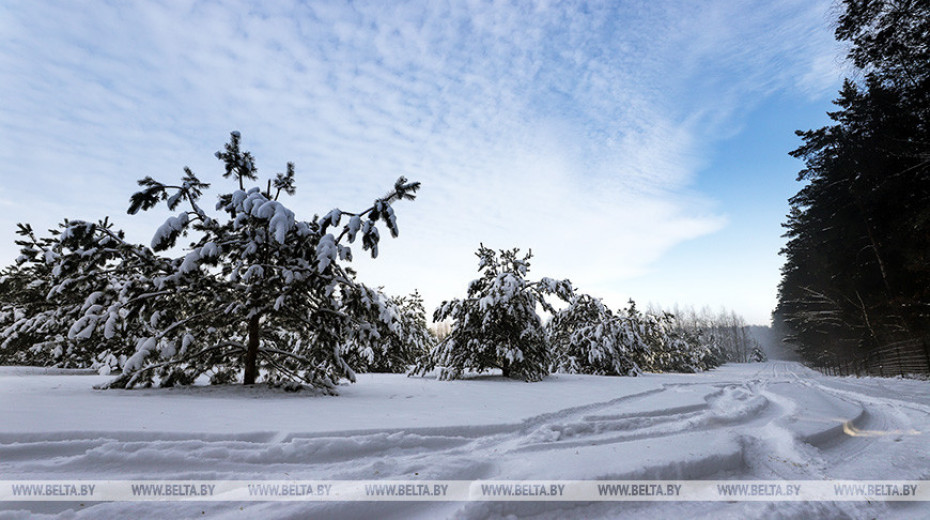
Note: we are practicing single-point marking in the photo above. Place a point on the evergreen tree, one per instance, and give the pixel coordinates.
(588, 338)
(668, 349)
(19, 294)
(61, 280)
(856, 272)
(257, 292)
(674, 346)
(398, 342)
(496, 325)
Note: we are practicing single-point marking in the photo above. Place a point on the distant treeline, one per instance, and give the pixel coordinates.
(727, 329)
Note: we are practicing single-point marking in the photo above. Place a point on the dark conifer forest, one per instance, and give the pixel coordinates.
(857, 278)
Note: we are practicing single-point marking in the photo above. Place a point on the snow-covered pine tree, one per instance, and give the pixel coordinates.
(671, 347)
(258, 292)
(398, 342)
(712, 355)
(63, 282)
(497, 325)
(588, 338)
(20, 293)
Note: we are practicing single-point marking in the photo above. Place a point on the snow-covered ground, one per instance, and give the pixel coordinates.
(767, 421)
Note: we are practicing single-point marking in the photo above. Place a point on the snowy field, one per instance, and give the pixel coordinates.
(769, 421)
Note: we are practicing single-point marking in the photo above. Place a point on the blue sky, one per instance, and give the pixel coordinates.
(639, 148)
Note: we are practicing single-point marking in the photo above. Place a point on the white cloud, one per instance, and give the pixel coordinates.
(575, 129)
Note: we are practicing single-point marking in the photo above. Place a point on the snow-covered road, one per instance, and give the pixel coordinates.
(769, 421)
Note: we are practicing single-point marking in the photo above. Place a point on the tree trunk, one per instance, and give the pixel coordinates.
(874, 244)
(251, 353)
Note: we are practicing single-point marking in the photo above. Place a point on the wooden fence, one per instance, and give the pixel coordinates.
(895, 359)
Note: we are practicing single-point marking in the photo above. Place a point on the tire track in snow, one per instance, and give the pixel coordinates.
(722, 406)
(895, 427)
(756, 412)
(382, 453)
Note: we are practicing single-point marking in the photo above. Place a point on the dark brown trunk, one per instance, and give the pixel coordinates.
(251, 353)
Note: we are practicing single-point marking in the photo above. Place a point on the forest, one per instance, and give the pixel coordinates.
(855, 289)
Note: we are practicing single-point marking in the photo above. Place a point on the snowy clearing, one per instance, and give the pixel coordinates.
(768, 421)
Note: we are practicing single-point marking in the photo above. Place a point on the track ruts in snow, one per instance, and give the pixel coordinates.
(779, 420)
